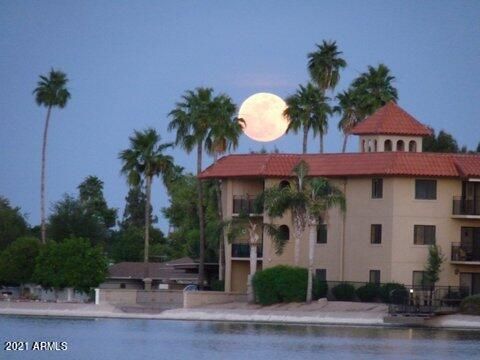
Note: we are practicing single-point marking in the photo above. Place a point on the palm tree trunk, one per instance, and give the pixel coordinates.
(253, 270)
(344, 146)
(311, 244)
(201, 217)
(321, 143)
(305, 140)
(221, 245)
(42, 179)
(147, 218)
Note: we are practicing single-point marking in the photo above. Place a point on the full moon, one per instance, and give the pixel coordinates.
(263, 115)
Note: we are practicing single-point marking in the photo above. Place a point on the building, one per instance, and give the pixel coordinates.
(399, 201)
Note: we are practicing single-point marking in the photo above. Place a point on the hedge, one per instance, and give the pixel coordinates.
(280, 284)
(386, 289)
(319, 289)
(344, 292)
(367, 292)
(470, 305)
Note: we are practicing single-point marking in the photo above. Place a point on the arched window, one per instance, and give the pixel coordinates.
(400, 145)
(375, 146)
(388, 145)
(284, 232)
(363, 145)
(412, 146)
(283, 184)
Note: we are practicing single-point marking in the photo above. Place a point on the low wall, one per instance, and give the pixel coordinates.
(162, 298)
(193, 299)
(117, 296)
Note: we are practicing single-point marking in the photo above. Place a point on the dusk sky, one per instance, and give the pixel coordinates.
(129, 62)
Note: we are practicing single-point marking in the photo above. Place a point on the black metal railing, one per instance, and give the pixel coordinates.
(243, 250)
(464, 252)
(463, 206)
(245, 204)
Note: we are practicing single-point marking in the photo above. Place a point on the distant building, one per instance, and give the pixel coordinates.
(399, 201)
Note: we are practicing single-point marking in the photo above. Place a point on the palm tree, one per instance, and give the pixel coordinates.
(308, 200)
(194, 119)
(374, 89)
(51, 91)
(308, 109)
(141, 163)
(349, 110)
(324, 66)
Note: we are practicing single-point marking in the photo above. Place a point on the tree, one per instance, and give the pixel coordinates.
(308, 109)
(92, 199)
(478, 148)
(134, 212)
(72, 263)
(309, 199)
(443, 142)
(348, 108)
(50, 92)
(434, 264)
(141, 163)
(12, 223)
(192, 119)
(17, 261)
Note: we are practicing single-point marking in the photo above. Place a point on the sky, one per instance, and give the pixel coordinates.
(129, 62)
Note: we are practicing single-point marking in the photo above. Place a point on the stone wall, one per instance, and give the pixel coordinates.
(193, 299)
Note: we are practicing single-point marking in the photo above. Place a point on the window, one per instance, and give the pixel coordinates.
(374, 277)
(321, 274)
(426, 189)
(424, 235)
(377, 188)
(412, 146)
(376, 234)
(388, 145)
(284, 232)
(400, 145)
(122, 286)
(420, 281)
(322, 234)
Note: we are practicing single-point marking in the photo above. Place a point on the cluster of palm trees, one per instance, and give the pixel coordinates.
(310, 108)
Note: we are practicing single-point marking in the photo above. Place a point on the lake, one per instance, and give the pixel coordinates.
(159, 339)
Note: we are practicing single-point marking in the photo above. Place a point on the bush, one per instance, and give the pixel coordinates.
(17, 261)
(385, 290)
(280, 284)
(344, 292)
(471, 305)
(367, 292)
(320, 289)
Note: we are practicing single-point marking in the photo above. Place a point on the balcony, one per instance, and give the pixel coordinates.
(463, 254)
(243, 251)
(245, 205)
(466, 208)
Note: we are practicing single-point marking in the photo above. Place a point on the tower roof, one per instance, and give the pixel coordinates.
(391, 119)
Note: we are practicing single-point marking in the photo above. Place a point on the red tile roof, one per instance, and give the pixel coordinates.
(348, 164)
(391, 119)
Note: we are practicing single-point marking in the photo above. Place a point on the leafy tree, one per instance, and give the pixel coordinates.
(478, 148)
(309, 200)
(12, 223)
(308, 109)
(434, 264)
(443, 142)
(17, 261)
(141, 163)
(193, 119)
(51, 91)
(92, 199)
(134, 212)
(70, 219)
(128, 245)
(72, 263)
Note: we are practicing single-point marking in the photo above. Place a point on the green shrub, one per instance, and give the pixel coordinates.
(471, 305)
(344, 292)
(280, 284)
(320, 289)
(385, 290)
(367, 292)
(218, 285)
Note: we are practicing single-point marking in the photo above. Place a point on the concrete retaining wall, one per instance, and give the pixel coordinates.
(161, 298)
(117, 296)
(193, 299)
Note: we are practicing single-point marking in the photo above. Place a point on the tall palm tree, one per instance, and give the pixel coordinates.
(51, 91)
(308, 200)
(348, 108)
(193, 119)
(141, 162)
(324, 66)
(374, 88)
(308, 109)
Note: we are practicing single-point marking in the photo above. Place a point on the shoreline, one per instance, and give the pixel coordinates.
(372, 316)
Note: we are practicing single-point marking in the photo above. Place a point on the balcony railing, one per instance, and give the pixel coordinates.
(243, 250)
(462, 252)
(463, 206)
(244, 204)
